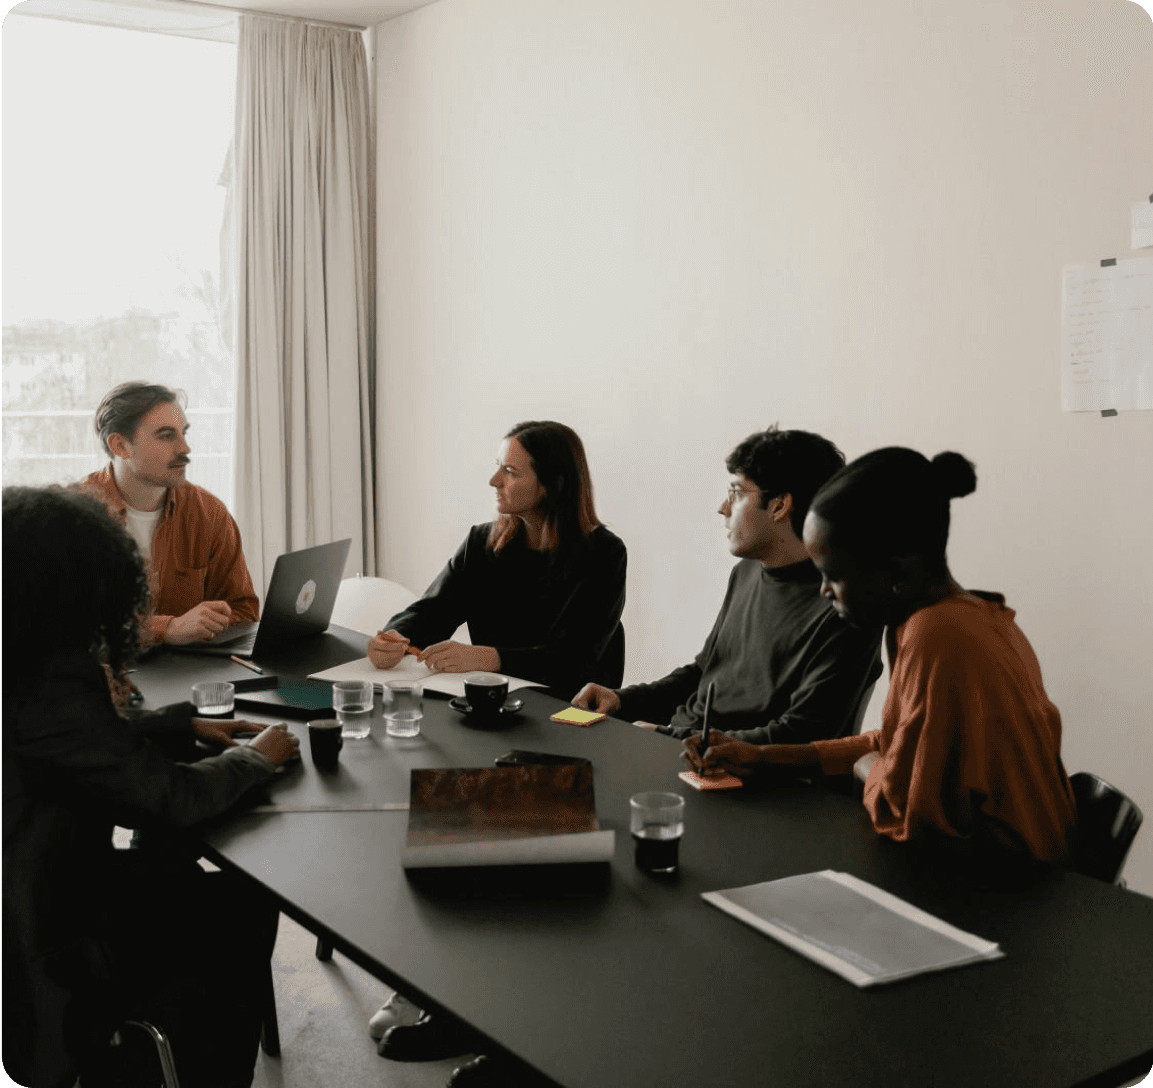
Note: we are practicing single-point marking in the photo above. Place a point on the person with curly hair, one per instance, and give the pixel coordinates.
(968, 755)
(91, 932)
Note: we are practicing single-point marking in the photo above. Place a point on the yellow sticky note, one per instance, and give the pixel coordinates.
(573, 715)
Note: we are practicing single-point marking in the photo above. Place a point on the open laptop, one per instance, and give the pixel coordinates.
(300, 598)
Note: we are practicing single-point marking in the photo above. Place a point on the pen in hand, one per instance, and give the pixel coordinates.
(705, 719)
(408, 649)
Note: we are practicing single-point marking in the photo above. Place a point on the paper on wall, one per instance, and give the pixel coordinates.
(1107, 336)
(1141, 226)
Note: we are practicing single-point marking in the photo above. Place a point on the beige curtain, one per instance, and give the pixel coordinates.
(305, 452)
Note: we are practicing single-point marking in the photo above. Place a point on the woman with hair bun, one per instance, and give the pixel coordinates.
(969, 746)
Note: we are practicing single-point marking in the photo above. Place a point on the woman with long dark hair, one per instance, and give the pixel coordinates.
(91, 932)
(541, 587)
(968, 753)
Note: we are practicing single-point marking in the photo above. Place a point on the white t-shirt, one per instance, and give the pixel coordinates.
(142, 524)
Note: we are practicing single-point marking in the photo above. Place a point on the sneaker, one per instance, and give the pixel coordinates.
(396, 1010)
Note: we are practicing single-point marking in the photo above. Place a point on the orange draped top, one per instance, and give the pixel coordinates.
(969, 742)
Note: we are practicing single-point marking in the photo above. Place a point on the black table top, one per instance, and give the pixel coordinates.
(600, 975)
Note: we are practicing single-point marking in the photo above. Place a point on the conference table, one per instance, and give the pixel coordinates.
(600, 975)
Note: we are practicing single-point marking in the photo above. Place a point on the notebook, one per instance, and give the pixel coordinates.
(521, 815)
(851, 927)
(287, 695)
(300, 599)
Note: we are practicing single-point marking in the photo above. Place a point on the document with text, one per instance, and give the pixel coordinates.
(852, 927)
(1107, 336)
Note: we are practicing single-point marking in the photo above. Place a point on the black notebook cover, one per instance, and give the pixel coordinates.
(288, 696)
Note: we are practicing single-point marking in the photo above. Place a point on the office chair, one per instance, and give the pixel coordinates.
(367, 604)
(1107, 824)
(163, 1049)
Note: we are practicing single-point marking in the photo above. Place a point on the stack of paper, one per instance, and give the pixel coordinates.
(410, 669)
(851, 927)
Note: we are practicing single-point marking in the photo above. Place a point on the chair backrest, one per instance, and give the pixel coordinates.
(1107, 824)
(367, 604)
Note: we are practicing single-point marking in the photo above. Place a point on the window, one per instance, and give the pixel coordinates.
(115, 218)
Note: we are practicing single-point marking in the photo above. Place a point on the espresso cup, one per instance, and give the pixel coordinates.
(486, 693)
(325, 741)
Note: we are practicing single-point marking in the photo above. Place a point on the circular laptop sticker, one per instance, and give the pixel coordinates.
(306, 597)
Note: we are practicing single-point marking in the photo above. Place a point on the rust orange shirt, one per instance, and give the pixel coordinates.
(196, 554)
(969, 742)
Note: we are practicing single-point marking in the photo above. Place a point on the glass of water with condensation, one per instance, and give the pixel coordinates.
(403, 708)
(352, 701)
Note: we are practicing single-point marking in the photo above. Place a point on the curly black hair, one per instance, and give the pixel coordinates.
(793, 463)
(73, 580)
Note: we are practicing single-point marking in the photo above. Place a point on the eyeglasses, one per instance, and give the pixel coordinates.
(736, 491)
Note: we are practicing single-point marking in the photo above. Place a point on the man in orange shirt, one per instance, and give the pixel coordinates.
(191, 545)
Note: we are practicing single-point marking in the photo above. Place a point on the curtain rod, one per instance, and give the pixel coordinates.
(270, 15)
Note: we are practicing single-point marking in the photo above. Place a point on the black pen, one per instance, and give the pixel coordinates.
(705, 719)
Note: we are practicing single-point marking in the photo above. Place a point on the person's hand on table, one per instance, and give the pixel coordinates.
(220, 730)
(277, 744)
(597, 697)
(387, 649)
(458, 657)
(198, 624)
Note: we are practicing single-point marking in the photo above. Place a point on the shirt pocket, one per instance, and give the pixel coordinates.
(185, 591)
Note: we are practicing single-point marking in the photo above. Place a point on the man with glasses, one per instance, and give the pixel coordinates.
(786, 669)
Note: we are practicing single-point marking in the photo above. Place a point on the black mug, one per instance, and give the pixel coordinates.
(486, 693)
(326, 742)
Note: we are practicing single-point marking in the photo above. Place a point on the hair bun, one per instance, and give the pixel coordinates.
(955, 475)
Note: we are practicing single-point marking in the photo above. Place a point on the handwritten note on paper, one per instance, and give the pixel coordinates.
(1141, 229)
(1107, 337)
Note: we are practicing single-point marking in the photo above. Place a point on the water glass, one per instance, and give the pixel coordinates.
(403, 708)
(657, 821)
(352, 701)
(213, 699)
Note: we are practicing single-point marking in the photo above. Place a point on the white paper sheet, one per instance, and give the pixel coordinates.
(851, 927)
(1107, 337)
(1141, 226)
(448, 683)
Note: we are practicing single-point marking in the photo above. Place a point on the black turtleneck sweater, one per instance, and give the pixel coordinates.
(553, 619)
(787, 668)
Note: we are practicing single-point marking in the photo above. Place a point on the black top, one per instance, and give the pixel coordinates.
(553, 619)
(73, 768)
(787, 668)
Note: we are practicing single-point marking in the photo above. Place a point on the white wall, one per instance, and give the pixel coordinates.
(670, 223)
